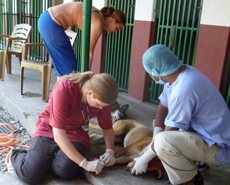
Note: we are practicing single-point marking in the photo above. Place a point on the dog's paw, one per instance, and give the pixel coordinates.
(154, 165)
(130, 166)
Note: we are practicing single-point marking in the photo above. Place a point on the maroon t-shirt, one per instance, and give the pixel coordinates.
(64, 111)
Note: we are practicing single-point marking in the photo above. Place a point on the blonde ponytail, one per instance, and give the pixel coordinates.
(103, 85)
(79, 78)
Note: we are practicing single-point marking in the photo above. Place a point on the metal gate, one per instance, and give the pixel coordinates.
(228, 97)
(176, 26)
(228, 94)
(23, 11)
(78, 44)
(225, 86)
(117, 46)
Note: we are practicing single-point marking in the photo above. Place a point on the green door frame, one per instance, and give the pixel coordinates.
(176, 26)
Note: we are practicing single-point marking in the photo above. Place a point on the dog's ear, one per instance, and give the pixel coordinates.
(123, 108)
(115, 106)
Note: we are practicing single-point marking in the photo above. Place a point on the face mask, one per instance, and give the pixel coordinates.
(160, 81)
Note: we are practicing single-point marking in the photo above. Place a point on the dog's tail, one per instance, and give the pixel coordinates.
(124, 151)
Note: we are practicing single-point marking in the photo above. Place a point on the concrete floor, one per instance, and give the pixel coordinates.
(27, 110)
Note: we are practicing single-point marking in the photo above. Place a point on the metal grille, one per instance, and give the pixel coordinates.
(5, 129)
(2, 23)
(177, 26)
(225, 86)
(31, 13)
(228, 97)
(117, 47)
(78, 44)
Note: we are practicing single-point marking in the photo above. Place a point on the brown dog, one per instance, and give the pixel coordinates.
(135, 137)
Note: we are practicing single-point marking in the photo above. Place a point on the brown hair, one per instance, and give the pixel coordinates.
(118, 15)
(103, 85)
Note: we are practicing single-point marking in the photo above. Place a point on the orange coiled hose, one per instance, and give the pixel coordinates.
(8, 143)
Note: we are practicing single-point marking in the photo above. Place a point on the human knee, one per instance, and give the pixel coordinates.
(17, 159)
(162, 142)
(66, 172)
(32, 177)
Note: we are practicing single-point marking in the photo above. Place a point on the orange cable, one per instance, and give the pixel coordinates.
(9, 143)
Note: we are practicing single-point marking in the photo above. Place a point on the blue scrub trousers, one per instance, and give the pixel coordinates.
(57, 44)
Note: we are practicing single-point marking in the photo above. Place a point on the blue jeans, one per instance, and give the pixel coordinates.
(57, 44)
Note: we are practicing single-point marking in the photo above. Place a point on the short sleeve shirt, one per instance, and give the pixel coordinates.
(69, 14)
(195, 104)
(64, 111)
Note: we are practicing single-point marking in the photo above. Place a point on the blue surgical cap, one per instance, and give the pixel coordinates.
(159, 60)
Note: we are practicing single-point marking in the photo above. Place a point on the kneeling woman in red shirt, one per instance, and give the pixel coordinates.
(61, 136)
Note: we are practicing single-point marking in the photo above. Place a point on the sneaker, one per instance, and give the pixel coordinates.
(197, 180)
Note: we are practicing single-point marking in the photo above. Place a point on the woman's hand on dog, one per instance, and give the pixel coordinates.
(108, 157)
(93, 166)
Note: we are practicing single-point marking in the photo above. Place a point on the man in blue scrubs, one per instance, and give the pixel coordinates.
(192, 122)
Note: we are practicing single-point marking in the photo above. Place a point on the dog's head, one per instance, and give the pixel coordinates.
(118, 112)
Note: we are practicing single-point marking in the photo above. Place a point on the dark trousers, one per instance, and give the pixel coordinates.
(43, 155)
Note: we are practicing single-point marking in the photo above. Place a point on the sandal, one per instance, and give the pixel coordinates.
(202, 167)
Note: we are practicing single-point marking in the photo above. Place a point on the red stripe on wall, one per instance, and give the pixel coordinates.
(142, 40)
(211, 51)
(98, 56)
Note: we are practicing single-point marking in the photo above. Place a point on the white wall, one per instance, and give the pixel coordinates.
(67, 1)
(216, 12)
(99, 3)
(145, 10)
(96, 3)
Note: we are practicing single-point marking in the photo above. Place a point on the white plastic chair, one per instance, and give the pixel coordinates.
(18, 37)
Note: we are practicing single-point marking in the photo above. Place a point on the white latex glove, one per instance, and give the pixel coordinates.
(156, 130)
(142, 162)
(92, 166)
(108, 157)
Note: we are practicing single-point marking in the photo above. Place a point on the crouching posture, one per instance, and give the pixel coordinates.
(61, 136)
(191, 103)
